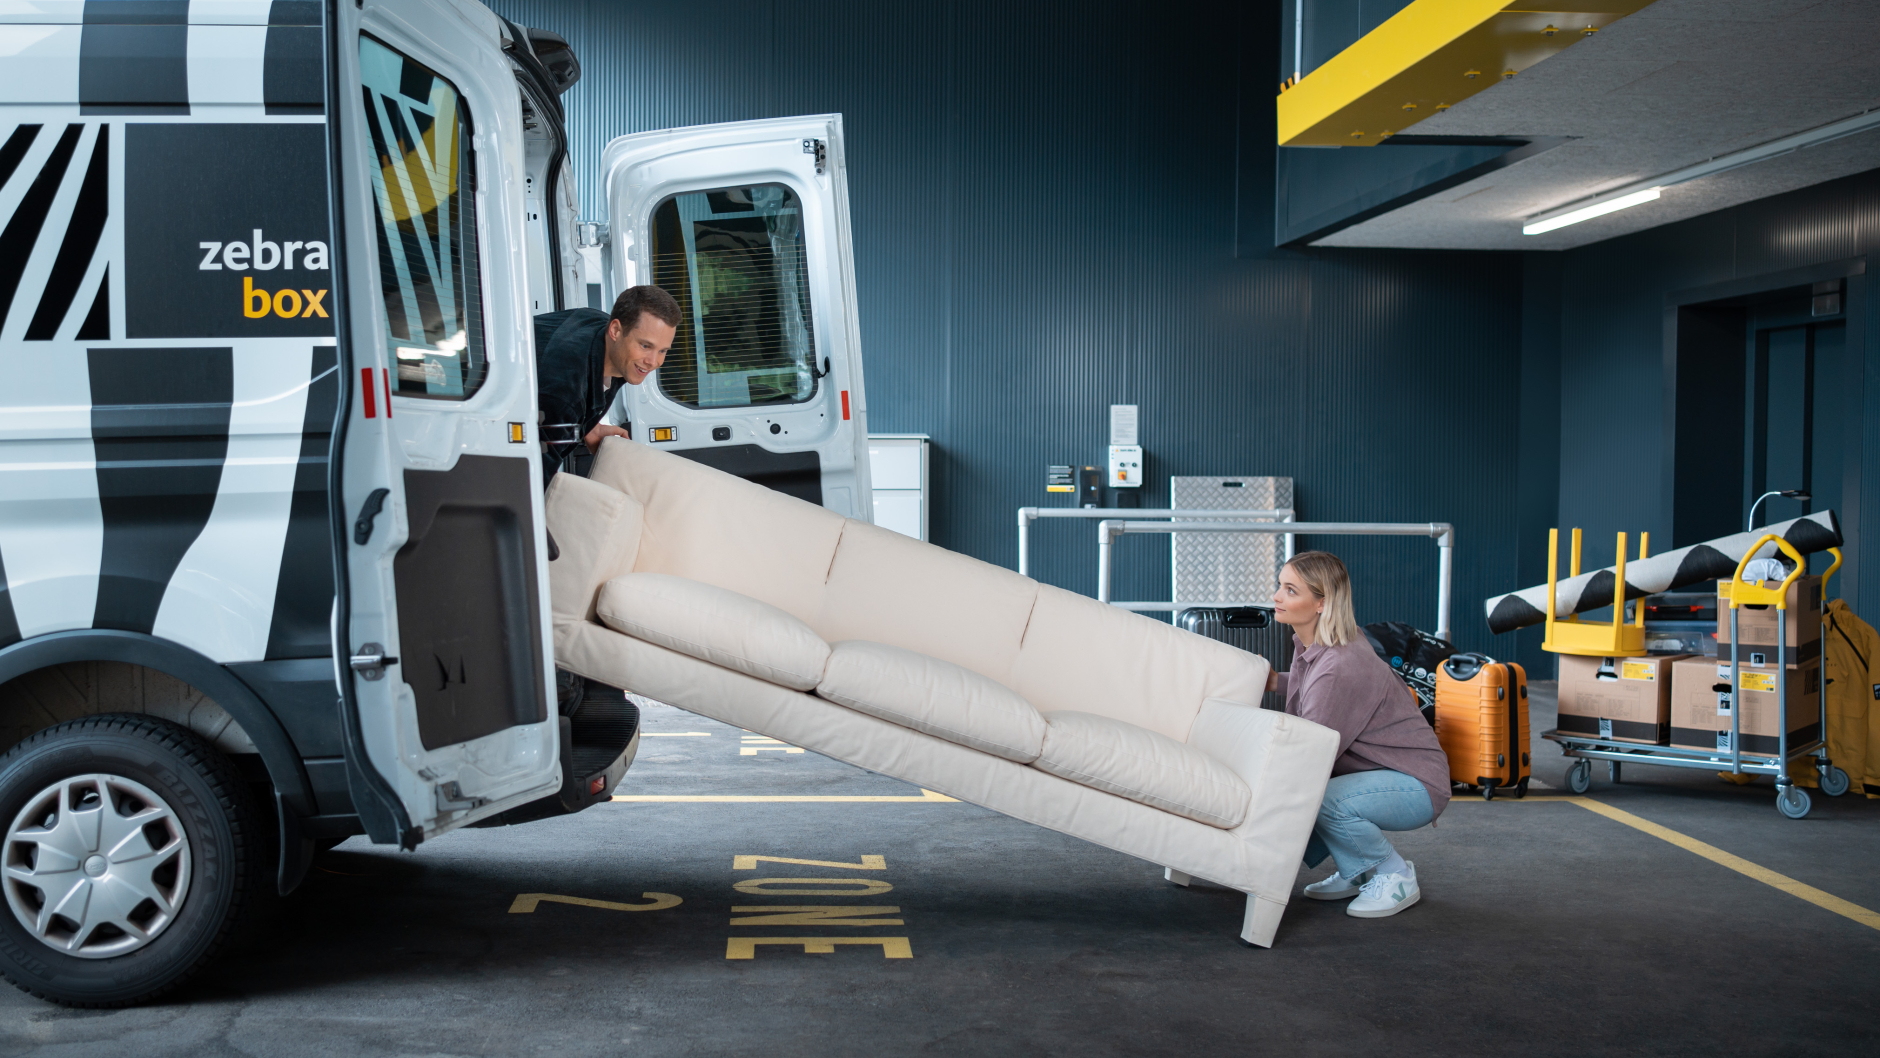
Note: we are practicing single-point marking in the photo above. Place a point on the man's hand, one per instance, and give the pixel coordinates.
(593, 439)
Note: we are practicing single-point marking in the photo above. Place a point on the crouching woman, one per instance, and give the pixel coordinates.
(1390, 773)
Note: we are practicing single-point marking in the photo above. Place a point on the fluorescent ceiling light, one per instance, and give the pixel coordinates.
(1646, 190)
(1597, 209)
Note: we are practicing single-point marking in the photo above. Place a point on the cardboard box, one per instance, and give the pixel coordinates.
(1628, 699)
(1700, 713)
(1759, 625)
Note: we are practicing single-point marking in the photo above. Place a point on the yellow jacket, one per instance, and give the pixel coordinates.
(1853, 649)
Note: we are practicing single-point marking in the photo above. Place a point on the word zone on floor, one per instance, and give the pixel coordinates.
(816, 916)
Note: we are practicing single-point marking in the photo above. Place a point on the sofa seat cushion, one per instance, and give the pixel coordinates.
(934, 696)
(1139, 764)
(716, 625)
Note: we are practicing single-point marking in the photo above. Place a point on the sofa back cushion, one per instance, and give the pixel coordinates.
(709, 526)
(888, 588)
(597, 531)
(1083, 655)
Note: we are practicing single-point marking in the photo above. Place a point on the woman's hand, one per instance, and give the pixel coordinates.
(1272, 680)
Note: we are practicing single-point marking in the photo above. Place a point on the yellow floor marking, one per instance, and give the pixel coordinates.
(849, 886)
(675, 734)
(925, 796)
(752, 751)
(746, 947)
(870, 862)
(1826, 901)
(526, 902)
(816, 915)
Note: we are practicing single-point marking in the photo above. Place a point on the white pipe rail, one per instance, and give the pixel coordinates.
(1444, 533)
(1027, 515)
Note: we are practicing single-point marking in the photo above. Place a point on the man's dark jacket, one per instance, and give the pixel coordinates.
(570, 377)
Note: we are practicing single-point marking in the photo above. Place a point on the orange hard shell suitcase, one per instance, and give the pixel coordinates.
(1482, 723)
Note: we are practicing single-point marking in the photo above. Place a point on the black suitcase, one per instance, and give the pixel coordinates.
(1251, 628)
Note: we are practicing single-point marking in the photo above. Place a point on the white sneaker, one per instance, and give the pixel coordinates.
(1336, 887)
(1385, 895)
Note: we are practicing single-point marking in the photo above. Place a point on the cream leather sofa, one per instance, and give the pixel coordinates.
(699, 589)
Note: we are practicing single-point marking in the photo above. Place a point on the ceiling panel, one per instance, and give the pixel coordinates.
(1676, 84)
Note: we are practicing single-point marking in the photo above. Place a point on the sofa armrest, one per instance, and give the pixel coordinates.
(1286, 760)
(597, 529)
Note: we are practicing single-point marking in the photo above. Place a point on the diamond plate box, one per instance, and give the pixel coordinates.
(1213, 568)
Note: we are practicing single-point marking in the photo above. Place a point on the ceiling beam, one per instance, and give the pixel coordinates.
(1427, 57)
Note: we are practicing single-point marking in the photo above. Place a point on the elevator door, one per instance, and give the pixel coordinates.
(1797, 419)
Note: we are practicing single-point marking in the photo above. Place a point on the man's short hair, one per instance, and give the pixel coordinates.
(648, 299)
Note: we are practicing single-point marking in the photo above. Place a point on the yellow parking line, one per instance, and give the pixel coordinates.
(927, 796)
(1826, 901)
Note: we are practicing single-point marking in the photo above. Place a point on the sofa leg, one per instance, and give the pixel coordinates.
(1261, 921)
(1176, 876)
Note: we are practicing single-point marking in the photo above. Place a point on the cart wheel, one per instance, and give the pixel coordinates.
(1833, 781)
(1612, 770)
(1488, 791)
(1520, 789)
(1792, 801)
(1580, 777)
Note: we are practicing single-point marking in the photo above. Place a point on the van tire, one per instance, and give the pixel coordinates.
(226, 848)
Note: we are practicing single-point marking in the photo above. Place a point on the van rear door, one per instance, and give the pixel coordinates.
(440, 623)
(747, 225)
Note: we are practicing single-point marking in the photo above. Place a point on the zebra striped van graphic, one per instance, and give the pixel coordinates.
(163, 438)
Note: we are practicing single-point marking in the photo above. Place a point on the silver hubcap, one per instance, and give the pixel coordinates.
(96, 866)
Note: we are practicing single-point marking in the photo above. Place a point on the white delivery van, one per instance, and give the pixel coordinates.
(272, 555)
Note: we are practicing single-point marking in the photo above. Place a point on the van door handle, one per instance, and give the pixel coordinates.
(368, 512)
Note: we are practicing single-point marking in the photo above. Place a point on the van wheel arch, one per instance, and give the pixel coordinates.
(277, 751)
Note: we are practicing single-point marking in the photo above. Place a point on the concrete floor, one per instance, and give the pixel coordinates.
(1544, 929)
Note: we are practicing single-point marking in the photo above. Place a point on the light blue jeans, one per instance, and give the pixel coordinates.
(1357, 809)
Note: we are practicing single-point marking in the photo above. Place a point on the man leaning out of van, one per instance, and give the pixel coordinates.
(579, 353)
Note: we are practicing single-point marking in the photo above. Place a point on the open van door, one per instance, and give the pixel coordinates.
(440, 629)
(747, 225)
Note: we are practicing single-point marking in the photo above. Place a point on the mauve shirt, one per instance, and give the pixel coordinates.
(1352, 691)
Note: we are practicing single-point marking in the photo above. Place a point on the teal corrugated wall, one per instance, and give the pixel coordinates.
(1048, 201)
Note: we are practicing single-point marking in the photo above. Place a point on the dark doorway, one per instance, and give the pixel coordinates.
(1761, 405)
(1796, 417)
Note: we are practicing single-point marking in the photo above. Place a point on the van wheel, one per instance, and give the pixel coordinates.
(132, 850)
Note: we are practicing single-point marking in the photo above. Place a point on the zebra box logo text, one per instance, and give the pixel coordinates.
(265, 255)
(226, 231)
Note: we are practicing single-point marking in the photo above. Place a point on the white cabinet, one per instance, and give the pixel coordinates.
(897, 463)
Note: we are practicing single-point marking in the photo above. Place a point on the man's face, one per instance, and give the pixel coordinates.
(637, 353)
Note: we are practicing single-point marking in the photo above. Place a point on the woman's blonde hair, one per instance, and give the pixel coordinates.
(1326, 575)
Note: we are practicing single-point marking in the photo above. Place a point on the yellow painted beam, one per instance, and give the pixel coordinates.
(1426, 58)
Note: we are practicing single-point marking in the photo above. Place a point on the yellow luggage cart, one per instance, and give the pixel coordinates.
(1791, 800)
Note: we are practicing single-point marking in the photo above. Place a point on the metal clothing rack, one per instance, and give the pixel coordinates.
(1028, 515)
(1791, 800)
(1109, 529)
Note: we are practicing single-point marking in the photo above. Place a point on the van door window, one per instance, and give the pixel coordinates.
(734, 259)
(424, 191)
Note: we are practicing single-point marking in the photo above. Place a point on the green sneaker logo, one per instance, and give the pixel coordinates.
(1399, 895)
